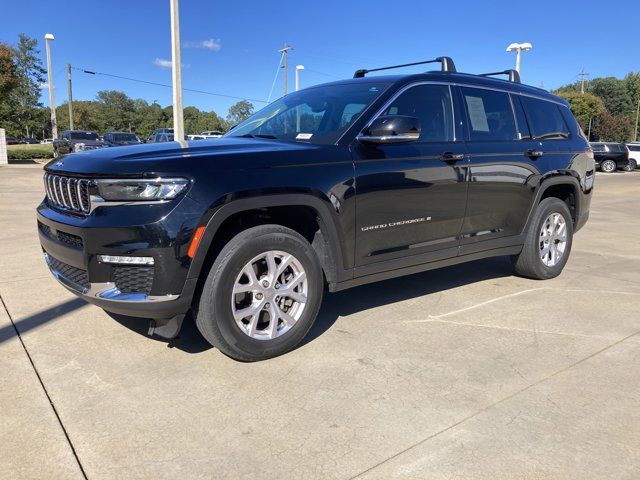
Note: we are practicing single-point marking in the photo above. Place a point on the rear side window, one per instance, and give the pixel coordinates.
(634, 148)
(431, 104)
(598, 148)
(489, 115)
(545, 119)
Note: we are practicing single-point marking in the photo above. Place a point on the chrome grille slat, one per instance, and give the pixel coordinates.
(68, 193)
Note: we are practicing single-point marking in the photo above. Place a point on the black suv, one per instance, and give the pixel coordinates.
(327, 188)
(76, 141)
(610, 156)
(116, 139)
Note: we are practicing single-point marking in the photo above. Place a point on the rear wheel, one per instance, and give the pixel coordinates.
(548, 241)
(608, 166)
(631, 166)
(262, 294)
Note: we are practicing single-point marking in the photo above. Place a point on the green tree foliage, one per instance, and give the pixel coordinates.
(614, 94)
(584, 106)
(239, 111)
(613, 128)
(8, 72)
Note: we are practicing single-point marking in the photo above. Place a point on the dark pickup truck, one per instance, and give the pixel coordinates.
(327, 188)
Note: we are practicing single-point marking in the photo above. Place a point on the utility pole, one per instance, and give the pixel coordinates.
(285, 52)
(176, 73)
(54, 123)
(582, 76)
(635, 133)
(70, 96)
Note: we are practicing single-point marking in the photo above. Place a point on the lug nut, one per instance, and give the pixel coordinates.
(277, 286)
(266, 305)
(259, 296)
(265, 284)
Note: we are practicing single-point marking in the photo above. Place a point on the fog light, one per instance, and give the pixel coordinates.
(126, 260)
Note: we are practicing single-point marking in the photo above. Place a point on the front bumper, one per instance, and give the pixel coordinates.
(159, 291)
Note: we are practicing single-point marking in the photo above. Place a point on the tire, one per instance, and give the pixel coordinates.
(529, 262)
(608, 166)
(631, 166)
(219, 307)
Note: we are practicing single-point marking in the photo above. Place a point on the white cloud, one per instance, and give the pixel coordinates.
(44, 85)
(213, 44)
(163, 63)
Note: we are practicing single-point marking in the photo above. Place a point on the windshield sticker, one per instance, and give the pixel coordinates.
(477, 114)
(304, 136)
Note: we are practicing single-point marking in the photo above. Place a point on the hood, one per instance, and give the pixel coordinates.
(136, 160)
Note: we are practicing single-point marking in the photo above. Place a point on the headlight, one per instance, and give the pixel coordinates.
(138, 190)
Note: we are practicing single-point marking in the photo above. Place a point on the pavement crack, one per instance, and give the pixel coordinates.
(44, 389)
(494, 404)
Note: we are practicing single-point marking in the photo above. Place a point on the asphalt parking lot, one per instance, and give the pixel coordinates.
(466, 372)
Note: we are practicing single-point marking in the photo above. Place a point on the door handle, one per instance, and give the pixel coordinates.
(534, 153)
(450, 156)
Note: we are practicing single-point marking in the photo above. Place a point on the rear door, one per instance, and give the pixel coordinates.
(501, 172)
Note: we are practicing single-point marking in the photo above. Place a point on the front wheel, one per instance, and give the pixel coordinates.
(631, 166)
(262, 294)
(547, 243)
(608, 166)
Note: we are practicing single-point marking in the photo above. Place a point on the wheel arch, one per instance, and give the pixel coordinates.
(565, 187)
(253, 211)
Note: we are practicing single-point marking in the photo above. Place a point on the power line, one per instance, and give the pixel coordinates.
(93, 72)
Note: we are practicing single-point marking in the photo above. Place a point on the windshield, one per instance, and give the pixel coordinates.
(317, 115)
(83, 136)
(125, 137)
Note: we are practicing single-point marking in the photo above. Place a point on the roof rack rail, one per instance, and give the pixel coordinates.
(514, 76)
(446, 65)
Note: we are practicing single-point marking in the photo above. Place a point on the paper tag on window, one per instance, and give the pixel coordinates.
(304, 136)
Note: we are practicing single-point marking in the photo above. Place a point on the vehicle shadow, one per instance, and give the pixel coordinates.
(354, 300)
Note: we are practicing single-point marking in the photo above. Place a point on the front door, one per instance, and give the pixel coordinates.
(410, 197)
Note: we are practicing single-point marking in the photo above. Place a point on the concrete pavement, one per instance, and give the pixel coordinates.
(467, 371)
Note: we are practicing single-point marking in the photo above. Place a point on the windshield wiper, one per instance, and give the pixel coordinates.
(259, 135)
(551, 135)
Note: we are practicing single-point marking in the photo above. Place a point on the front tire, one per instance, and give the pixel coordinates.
(262, 294)
(548, 241)
(608, 166)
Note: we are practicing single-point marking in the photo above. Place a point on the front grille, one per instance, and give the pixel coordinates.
(67, 192)
(72, 274)
(133, 279)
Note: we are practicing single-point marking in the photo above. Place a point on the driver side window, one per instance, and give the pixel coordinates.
(431, 105)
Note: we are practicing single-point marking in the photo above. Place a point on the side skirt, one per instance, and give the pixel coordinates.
(376, 277)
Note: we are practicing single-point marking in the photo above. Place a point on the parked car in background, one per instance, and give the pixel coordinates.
(76, 141)
(116, 139)
(11, 141)
(196, 137)
(634, 155)
(29, 141)
(161, 135)
(211, 134)
(610, 156)
(46, 141)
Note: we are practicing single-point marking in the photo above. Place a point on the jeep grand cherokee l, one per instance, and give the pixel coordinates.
(327, 188)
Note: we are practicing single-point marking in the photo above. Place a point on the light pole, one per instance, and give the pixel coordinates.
(54, 124)
(519, 48)
(298, 68)
(69, 96)
(285, 53)
(176, 73)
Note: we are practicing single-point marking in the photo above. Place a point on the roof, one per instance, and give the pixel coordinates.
(457, 77)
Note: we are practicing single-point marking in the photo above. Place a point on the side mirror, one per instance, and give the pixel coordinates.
(392, 129)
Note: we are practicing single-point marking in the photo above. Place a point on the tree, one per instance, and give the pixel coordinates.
(614, 94)
(8, 71)
(25, 98)
(613, 128)
(116, 110)
(584, 106)
(240, 111)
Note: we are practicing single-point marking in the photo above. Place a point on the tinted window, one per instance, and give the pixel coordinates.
(634, 148)
(545, 118)
(431, 104)
(598, 147)
(84, 136)
(489, 115)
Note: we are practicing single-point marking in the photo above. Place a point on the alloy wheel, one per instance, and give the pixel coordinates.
(553, 239)
(269, 295)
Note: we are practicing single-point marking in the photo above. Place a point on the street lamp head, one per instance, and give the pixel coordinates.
(299, 67)
(49, 36)
(526, 46)
(519, 46)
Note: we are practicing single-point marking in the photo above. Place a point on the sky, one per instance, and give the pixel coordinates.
(231, 48)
